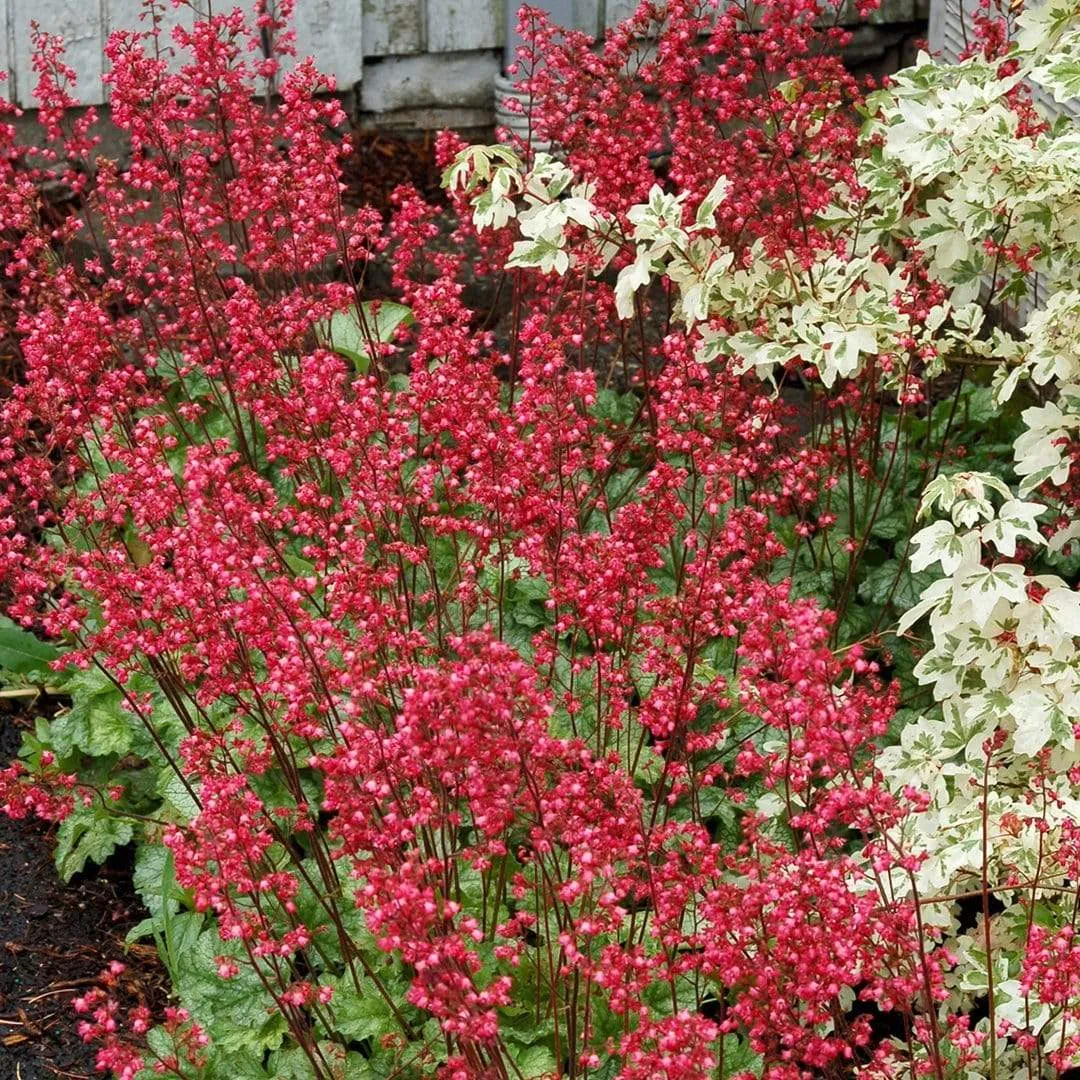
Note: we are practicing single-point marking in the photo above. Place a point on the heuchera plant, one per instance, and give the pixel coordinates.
(519, 697)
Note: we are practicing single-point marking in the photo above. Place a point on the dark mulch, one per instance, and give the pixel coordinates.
(55, 940)
(382, 160)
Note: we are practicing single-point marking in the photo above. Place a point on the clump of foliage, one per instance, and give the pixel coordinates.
(531, 700)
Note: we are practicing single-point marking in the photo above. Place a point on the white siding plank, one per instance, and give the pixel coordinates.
(442, 80)
(950, 31)
(80, 26)
(393, 27)
(7, 42)
(616, 11)
(459, 25)
(589, 16)
(586, 15)
(332, 32)
(127, 15)
(949, 19)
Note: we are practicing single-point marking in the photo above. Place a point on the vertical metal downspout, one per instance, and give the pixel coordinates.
(561, 13)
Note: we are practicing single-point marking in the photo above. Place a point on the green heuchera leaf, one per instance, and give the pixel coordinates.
(895, 582)
(367, 1017)
(190, 377)
(230, 1065)
(349, 333)
(151, 874)
(88, 834)
(155, 882)
(22, 653)
(894, 525)
(294, 1064)
(96, 724)
(237, 1013)
(175, 797)
(616, 407)
(738, 1057)
(533, 1061)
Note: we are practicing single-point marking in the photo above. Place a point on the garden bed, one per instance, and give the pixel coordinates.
(55, 940)
(507, 624)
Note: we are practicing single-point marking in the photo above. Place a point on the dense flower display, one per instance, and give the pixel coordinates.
(540, 692)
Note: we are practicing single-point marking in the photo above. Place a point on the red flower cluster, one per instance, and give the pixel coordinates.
(754, 91)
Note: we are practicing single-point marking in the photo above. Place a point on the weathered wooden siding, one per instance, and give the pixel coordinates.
(332, 30)
(949, 21)
(429, 62)
(393, 27)
(341, 34)
(404, 27)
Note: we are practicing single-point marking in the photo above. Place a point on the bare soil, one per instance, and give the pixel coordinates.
(55, 940)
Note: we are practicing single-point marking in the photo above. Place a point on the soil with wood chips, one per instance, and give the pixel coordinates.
(55, 940)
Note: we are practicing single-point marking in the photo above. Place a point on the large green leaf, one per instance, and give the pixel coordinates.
(358, 1018)
(88, 834)
(294, 1064)
(533, 1061)
(23, 654)
(155, 882)
(894, 582)
(238, 1013)
(97, 723)
(176, 797)
(228, 1064)
(350, 333)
